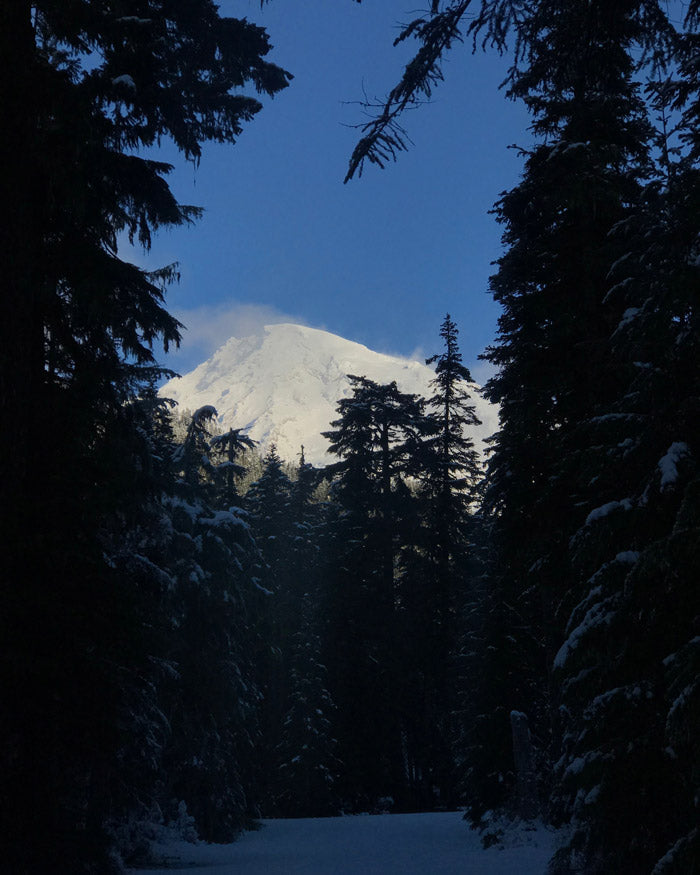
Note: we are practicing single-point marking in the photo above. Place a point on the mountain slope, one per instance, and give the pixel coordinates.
(283, 385)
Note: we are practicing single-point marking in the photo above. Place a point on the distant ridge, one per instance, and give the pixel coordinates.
(283, 386)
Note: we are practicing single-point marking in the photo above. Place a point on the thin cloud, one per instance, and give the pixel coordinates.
(418, 355)
(208, 327)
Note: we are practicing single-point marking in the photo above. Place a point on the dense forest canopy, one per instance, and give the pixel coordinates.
(196, 636)
(590, 612)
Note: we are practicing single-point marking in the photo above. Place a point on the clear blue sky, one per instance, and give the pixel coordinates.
(379, 260)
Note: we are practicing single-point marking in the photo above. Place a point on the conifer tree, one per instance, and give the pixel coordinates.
(211, 702)
(90, 84)
(377, 437)
(308, 765)
(450, 483)
(627, 704)
(592, 495)
(434, 570)
(580, 179)
(231, 446)
(268, 505)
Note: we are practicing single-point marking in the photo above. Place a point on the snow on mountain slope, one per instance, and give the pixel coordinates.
(283, 385)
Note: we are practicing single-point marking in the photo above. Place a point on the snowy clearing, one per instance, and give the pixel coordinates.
(388, 844)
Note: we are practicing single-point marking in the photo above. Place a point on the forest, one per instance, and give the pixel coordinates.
(198, 637)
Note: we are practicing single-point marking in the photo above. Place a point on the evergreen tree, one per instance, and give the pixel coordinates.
(306, 752)
(89, 86)
(451, 480)
(296, 761)
(231, 446)
(211, 702)
(434, 572)
(377, 436)
(580, 181)
(308, 765)
(592, 490)
(268, 504)
(629, 703)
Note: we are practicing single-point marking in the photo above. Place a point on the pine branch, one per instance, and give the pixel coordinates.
(384, 137)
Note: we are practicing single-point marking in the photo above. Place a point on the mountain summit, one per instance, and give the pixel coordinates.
(283, 385)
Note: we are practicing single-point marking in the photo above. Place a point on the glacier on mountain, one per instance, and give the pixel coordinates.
(283, 386)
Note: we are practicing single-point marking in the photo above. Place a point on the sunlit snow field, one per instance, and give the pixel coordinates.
(389, 844)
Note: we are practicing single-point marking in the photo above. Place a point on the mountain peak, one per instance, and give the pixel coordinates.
(283, 385)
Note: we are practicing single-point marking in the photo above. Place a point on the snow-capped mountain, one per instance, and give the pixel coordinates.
(283, 386)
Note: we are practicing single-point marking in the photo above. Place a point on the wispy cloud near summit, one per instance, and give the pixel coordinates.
(210, 326)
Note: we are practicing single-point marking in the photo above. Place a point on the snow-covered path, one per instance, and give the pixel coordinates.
(389, 844)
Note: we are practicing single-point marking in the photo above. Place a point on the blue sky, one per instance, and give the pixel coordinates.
(379, 260)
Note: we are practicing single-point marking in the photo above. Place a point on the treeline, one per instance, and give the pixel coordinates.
(361, 576)
(287, 645)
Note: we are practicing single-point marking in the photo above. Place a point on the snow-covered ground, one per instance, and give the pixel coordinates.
(388, 844)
